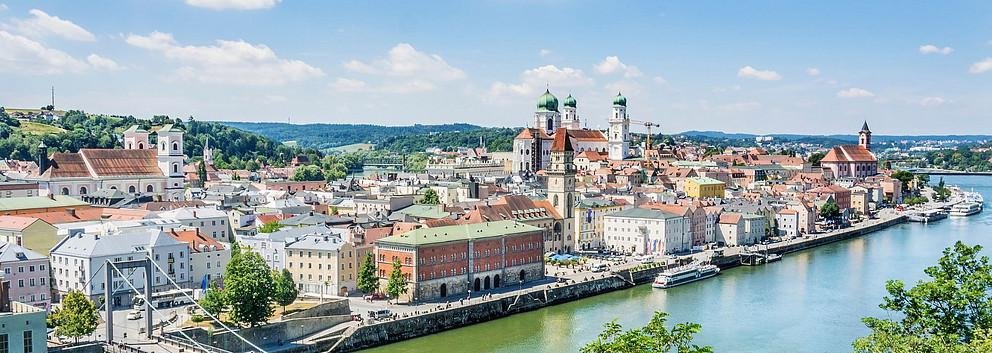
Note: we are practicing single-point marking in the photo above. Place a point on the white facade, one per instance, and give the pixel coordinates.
(788, 223)
(171, 161)
(619, 134)
(640, 231)
(209, 262)
(210, 221)
(77, 262)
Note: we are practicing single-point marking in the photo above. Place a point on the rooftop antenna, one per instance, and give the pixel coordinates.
(53, 97)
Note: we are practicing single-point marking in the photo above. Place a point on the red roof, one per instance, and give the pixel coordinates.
(67, 165)
(849, 153)
(562, 142)
(197, 242)
(586, 135)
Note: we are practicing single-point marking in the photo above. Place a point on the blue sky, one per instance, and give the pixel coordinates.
(761, 67)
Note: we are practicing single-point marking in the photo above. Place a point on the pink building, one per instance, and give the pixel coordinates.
(852, 161)
(27, 272)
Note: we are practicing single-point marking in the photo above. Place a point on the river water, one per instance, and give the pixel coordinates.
(811, 301)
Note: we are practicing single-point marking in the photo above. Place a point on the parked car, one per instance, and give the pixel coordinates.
(598, 268)
(134, 315)
(380, 314)
(375, 296)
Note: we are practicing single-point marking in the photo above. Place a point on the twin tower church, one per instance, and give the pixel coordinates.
(532, 147)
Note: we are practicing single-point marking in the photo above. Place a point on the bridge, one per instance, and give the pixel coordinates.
(937, 171)
(396, 162)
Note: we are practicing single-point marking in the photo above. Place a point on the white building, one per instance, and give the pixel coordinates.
(78, 260)
(737, 229)
(210, 221)
(208, 257)
(788, 223)
(619, 134)
(644, 231)
(272, 246)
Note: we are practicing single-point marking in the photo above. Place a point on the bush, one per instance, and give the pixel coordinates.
(196, 318)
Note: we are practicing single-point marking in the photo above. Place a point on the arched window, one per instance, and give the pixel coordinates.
(175, 168)
(149, 188)
(163, 146)
(65, 191)
(141, 146)
(131, 189)
(113, 188)
(82, 190)
(128, 145)
(175, 146)
(554, 200)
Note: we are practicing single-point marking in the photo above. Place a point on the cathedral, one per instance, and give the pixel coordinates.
(533, 146)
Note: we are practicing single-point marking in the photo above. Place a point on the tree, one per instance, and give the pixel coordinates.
(368, 281)
(815, 158)
(213, 301)
(904, 177)
(951, 312)
(270, 227)
(201, 173)
(430, 197)
(76, 317)
(887, 165)
(397, 282)
(247, 288)
(829, 210)
(308, 173)
(285, 291)
(654, 337)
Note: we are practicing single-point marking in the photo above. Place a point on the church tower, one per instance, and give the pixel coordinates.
(864, 136)
(208, 154)
(171, 160)
(619, 134)
(547, 116)
(561, 189)
(570, 119)
(136, 138)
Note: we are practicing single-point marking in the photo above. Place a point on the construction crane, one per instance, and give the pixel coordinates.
(648, 125)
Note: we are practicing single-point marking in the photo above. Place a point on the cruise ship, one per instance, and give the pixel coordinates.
(965, 209)
(683, 275)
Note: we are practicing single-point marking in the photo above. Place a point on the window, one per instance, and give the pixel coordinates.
(20, 283)
(65, 191)
(41, 267)
(28, 339)
(82, 190)
(20, 269)
(149, 188)
(4, 345)
(175, 146)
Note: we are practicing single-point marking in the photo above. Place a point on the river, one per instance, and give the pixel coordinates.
(811, 301)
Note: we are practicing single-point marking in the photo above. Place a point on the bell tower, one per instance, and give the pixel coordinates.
(864, 136)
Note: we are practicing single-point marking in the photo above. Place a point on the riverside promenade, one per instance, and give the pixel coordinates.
(429, 318)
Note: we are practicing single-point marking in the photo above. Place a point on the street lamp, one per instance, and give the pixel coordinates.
(521, 284)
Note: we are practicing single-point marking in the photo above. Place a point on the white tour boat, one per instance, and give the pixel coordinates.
(965, 209)
(683, 275)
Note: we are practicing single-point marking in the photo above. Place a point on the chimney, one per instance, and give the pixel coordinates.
(51, 196)
(71, 211)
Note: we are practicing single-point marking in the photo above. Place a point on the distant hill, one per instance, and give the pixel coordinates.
(399, 139)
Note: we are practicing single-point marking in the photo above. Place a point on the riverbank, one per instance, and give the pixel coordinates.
(582, 285)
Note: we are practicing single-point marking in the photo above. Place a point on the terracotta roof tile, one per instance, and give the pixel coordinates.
(67, 165)
(113, 162)
(849, 153)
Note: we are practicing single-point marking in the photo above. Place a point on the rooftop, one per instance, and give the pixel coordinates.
(462, 232)
(643, 213)
(36, 202)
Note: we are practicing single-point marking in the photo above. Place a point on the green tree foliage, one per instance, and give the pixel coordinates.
(368, 281)
(201, 173)
(654, 337)
(829, 210)
(76, 317)
(285, 291)
(234, 147)
(270, 227)
(308, 173)
(397, 282)
(416, 162)
(916, 200)
(396, 139)
(961, 158)
(950, 312)
(430, 197)
(904, 177)
(248, 288)
(815, 158)
(334, 167)
(213, 301)
(941, 192)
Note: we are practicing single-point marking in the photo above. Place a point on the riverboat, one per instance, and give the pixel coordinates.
(965, 209)
(683, 275)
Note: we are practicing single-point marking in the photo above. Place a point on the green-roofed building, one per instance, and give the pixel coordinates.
(449, 261)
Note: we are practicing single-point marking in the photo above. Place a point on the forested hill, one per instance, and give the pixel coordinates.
(76, 130)
(398, 139)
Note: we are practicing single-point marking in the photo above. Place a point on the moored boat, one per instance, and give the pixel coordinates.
(683, 275)
(965, 209)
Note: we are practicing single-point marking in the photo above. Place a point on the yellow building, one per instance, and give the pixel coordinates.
(703, 187)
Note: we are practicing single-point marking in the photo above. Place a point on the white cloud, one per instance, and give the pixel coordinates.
(3, 7)
(234, 4)
(854, 92)
(227, 62)
(102, 63)
(533, 80)
(733, 88)
(813, 71)
(403, 60)
(19, 54)
(932, 101)
(545, 53)
(933, 49)
(612, 64)
(764, 75)
(342, 84)
(982, 66)
(275, 98)
(660, 80)
(44, 25)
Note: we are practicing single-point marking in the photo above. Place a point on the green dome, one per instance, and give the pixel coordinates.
(547, 102)
(620, 100)
(569, 101)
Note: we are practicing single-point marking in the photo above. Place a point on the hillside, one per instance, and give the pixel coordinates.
(76, 130)
(327, 136)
